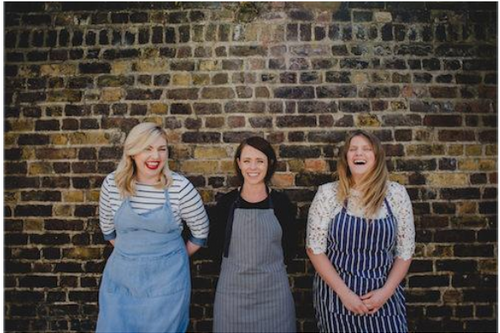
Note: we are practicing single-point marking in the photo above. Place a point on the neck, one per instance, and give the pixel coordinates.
(147, 180)
(253, 192)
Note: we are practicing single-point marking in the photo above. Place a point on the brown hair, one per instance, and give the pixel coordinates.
(261, 145)
(373, 185)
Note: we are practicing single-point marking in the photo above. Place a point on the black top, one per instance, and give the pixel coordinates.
(284, 210)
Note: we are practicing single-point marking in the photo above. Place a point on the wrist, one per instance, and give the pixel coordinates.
(389, 290)
(343, 291)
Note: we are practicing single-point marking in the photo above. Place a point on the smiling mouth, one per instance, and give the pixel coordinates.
(359, 162)
(152, 165)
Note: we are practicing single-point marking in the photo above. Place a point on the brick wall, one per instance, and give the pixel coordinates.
(78, 76)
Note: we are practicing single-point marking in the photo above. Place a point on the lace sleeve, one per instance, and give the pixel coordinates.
(402, 209)
(318, 221)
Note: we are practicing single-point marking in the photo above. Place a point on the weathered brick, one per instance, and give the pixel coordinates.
(296, 121)
(299, 151)
(217, 93)
(244, 107)
(247, 51)
(443, 120)
(456, 135)
(316, 107)
(188, 93)
(294, 93)
(342, 91)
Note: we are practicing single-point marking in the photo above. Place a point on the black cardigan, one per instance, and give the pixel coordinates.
(284, 210)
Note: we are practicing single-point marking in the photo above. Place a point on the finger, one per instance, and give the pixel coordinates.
(368, 295)
(364, 308)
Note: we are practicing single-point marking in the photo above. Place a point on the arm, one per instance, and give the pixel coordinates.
(375, 299)
(192, 211)
(106, 214)
(328, 273)
(286, 212)
(218, 222)
(318, 222)
(400, 203)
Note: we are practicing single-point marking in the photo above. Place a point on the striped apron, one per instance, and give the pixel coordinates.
(253, 294)
(362, 253)
(146, 283)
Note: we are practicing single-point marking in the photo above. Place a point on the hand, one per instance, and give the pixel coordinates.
(191, 248)
(375, 299)
(353, 303)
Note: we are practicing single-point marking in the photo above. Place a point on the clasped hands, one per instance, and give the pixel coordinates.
(366, 304)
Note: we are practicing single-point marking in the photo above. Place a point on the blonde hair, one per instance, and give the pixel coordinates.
(139, 138)
(373, 185)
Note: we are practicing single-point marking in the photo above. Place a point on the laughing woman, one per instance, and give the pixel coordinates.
(254, 234)
(360, 239)
(146, 284)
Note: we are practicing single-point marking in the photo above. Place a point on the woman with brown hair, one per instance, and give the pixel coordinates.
(360, 239)
(253, 232)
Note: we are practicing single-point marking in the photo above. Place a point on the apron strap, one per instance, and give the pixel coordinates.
(389, 210)
(230, 219)
(344, 207)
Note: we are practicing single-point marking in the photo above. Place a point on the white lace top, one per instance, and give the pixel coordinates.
(325, 207)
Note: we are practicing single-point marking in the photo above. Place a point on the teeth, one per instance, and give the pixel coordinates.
(359, 161)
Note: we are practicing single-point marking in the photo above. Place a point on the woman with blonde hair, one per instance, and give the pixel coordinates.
(146, 283)
(360, 239)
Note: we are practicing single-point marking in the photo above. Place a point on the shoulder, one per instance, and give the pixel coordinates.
(279, 195)
(109, 180)
(328, 190)
(394, 189)
(178, 178)
(228, 197)
(180, 183)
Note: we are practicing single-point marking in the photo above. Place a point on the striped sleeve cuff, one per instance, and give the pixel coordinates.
(198, 241)
(110, 236)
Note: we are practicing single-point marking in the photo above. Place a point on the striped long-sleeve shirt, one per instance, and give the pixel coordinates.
(185, 201)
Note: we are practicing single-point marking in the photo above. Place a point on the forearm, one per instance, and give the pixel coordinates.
(397, 274)
(191, 248)
(327, 272)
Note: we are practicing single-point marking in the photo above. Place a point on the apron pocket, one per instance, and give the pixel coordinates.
(148, 276)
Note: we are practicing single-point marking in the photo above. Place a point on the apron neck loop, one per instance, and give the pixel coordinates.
(230, 219)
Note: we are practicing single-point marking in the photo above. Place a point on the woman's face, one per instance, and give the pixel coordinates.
(150, 162)
(253, 165)
(360, 157)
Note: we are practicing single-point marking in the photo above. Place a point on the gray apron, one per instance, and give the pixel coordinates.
(253, 294)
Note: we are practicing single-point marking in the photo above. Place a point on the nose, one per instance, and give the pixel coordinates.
(154, 153)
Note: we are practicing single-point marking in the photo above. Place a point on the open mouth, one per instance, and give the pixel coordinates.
(359, 162)
(152, 165)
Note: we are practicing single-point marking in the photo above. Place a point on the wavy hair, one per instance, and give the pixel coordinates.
(373, 185)
(139, 138)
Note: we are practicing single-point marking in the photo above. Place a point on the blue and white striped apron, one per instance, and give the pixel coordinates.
(362, 252)
(146, 283)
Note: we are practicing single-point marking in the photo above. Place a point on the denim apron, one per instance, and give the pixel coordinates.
(361, 252)
(146, 283)
(253, 293)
